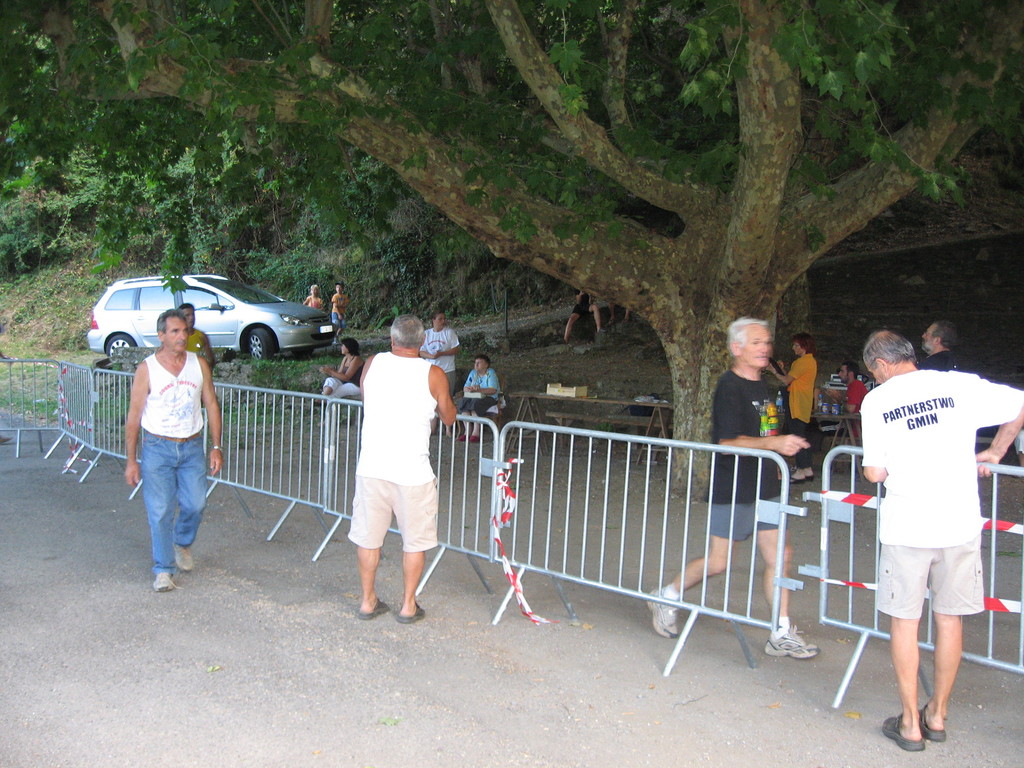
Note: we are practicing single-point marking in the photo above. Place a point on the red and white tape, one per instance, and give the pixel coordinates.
(502, 519)
(991, 603)
(871, 502)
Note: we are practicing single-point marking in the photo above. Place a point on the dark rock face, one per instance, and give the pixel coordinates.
(976, 284)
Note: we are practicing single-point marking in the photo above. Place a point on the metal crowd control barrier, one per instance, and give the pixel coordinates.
(296, 447)
(848, 567)
(466, 495)
(75, 398)
(28, 390)
(589, 512)
(287, 445)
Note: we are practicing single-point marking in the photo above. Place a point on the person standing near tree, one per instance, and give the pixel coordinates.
(919, 440)
(401, 395)
(936, 341)
(440, 345)
(736, 421)
(170, 389)
(800, 382)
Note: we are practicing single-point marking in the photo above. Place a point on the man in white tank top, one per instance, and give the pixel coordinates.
(401, 395)
(170, 389)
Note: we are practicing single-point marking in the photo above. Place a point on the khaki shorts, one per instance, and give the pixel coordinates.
(953, 574)
(414, 507)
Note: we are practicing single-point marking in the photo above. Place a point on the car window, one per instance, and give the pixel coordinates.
(200, 299)
(242, 292)
(155, 297)
(121, 299)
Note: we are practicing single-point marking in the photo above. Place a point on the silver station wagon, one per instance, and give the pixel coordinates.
(233, 315)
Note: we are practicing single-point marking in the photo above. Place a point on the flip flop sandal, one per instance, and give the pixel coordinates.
(420, 613)
(929, 733)
(378, 610)
(891, 729)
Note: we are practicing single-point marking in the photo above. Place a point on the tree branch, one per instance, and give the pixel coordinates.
(616, 43)
(768, 97)
(319, 16)
(867, 191)
(589, 138)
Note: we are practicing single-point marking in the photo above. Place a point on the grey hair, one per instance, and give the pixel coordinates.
(888, 346)
(161, 322)
(407, 332)
(737, 333)
(946, 331)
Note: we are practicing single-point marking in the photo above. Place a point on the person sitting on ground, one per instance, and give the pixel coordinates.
(313, 300)
(198, 341)
(344, 381)
(584, 304)
(479, 394)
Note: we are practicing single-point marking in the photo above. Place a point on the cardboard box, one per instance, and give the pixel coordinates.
(558, 389)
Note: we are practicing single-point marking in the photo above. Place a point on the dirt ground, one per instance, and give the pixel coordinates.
(258, 659)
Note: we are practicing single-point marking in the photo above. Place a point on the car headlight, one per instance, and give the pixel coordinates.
(292, 320)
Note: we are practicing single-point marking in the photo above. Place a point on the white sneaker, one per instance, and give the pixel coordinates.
(663, 617)
(183, 558)
(790, 644)
(163, 583)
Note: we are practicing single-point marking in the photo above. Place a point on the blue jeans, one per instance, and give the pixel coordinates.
(173, 474)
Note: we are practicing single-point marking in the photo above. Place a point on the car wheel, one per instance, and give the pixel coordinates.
(262, 344)
(119, 341)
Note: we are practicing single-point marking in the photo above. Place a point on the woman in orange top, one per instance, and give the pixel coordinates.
(800, 382)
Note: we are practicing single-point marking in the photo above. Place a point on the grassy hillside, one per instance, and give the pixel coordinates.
(47, 313)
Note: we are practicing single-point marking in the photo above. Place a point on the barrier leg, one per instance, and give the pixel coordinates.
(744, 644)
(479, 573)
(90, 468)
(565, 599)
(330, 534)
(687, 628)
(241, 501)
(54, 446)
(508, 596)
(280, 521)
(862, 641)
(430, 569)
(926, 684)
(70, 463)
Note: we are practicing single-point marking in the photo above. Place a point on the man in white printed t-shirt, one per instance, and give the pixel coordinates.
(919, 437)
(170, 389)
(440, 345)
(401, 394)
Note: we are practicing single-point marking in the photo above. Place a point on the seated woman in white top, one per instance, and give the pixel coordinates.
(343, 381)
(479, 394)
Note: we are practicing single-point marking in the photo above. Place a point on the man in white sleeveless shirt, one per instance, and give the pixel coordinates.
(401, 394)
(171, 388)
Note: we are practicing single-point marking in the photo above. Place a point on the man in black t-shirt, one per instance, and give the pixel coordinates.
(736, 422)
(936, 341)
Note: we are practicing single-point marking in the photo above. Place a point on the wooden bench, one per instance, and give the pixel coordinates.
(565, 419)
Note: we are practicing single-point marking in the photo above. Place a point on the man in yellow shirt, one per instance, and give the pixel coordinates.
(197, 340)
